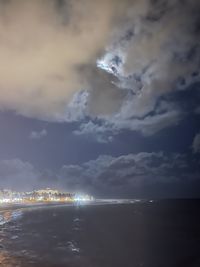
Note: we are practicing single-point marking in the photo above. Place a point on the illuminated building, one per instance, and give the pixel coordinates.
(42, 195)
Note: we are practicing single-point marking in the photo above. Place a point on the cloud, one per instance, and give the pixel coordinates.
(43, 46)
(196, 143)
(18, 175)
(104, 130)
(149, 124)
(38, 135)
(111, 60)
(98, 132)
(130, 173)
(77, 108)
(154, 54)
(143, 174)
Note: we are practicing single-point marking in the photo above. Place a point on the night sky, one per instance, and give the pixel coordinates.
(101, 97)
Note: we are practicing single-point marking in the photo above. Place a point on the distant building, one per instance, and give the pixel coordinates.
(41, 195)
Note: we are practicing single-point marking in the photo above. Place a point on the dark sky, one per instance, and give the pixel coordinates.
(101, 97)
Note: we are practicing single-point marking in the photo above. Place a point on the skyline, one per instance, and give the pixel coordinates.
(47, 195)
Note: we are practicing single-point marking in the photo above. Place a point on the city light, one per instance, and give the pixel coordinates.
(83, 198)
(42, 195)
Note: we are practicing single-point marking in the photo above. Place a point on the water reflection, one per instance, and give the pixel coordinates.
(6, 260)
(9, 215)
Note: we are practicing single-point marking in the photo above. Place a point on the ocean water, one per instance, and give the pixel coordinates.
(140, 234)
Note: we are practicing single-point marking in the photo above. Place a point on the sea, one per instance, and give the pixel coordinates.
(142, 233)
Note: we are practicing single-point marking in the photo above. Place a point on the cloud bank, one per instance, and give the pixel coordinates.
(134, 175)
(130, 174)
(112, 60)
(18, 175)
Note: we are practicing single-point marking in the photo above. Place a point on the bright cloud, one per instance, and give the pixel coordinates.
(110, 59)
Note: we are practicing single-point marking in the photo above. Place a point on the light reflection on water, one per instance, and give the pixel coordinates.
(7, 261)
(9, 215)
(15, 249)
(137, 234)
(6, 217)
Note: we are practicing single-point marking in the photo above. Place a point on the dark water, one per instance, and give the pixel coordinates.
(158, 234)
